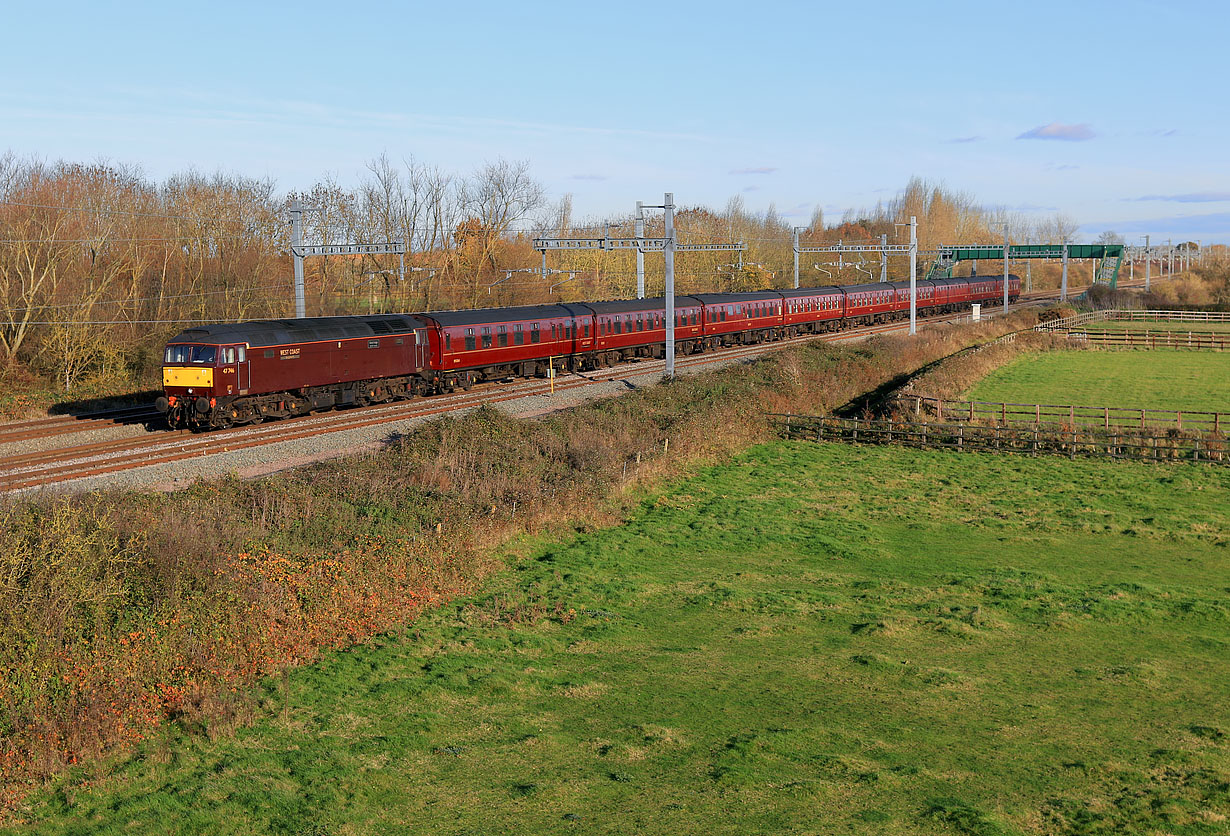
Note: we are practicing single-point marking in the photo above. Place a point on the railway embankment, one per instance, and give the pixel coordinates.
(124, 611)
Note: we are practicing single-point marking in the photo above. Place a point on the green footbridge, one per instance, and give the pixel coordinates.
(1110, 257)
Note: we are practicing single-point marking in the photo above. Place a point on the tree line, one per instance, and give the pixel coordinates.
(99, 264)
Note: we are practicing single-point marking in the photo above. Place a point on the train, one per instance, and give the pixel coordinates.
(229, 374)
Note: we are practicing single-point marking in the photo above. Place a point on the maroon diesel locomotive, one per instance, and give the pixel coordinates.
(243, 373)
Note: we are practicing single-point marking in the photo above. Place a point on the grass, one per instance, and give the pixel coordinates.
(1153, 325)
(1194, 381)
(812, 638)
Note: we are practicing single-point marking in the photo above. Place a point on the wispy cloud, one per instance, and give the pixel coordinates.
(758, 170)
(751, 188)
(1060, 131)
(1061, 167)
(587, 177)
(1191, 197)
(966, 139)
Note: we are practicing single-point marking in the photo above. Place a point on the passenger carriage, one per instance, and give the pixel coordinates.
(741, 318)
(811, 310)
(493, 343)
(626, 328)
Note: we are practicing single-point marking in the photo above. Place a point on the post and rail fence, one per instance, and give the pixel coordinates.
(1066, 323)
(1061, 415)
(1149, 444)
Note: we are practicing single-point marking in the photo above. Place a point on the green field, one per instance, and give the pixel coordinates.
(1194, 381)
(813, 639)
(1176, 327)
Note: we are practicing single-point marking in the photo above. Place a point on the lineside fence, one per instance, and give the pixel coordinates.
(1061, 415)
(1148, 444)
(1068, 322)
(1194, 340)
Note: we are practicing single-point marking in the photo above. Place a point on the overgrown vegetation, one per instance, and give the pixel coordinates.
(810, 637)
(119, 610)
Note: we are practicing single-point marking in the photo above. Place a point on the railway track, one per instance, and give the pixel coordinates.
(36, 469)
(67, 424)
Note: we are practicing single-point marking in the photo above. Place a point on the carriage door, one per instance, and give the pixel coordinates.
(420, 348)
(242, 372)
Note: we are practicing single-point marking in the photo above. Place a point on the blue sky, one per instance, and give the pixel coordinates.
(1114, 113)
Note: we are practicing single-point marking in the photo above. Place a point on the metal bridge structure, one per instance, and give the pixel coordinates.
(1109, 256)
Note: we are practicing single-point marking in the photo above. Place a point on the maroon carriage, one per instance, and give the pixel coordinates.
(809, 310)
(628, 328)
(493, 343)
(732, 318)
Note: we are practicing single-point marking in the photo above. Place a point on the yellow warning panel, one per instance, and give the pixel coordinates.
(180, 376)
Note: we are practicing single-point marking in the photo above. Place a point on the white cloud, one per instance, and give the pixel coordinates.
(1057, 130)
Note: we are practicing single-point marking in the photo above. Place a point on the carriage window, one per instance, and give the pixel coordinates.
(640, 322)
(585, 331)
(469, 339)
(486, 338)
(534, 333)
(518, 335)
(503, 335)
